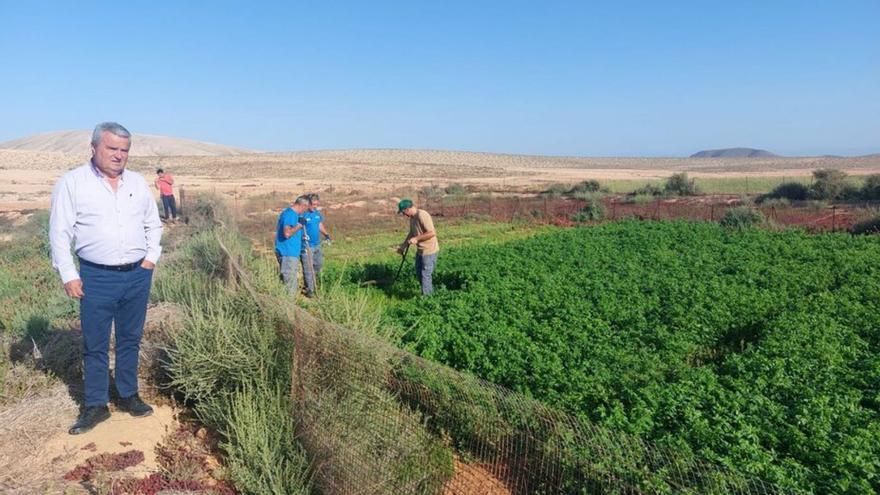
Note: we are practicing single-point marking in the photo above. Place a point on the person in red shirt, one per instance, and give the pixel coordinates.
(164, 181)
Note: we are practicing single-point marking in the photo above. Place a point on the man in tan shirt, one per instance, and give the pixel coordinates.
(424, 237)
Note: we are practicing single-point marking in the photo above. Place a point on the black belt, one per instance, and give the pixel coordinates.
(116, 268)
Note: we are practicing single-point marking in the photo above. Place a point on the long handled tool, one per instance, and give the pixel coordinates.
(311, 266)
(402, 261)
(385, 281)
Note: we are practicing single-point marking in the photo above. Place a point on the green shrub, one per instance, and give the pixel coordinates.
(555, 191)
(680, 185)
(648, 190)
(262, 455)
(432, 191)
(792, 191)
(871, 188)
(871, 226)
(742, 217)
(205, 209)
(455, 189)
(592, 212)
(828, 184)
(587, 186)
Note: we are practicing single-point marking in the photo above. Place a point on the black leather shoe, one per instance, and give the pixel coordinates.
(134, 405)
(88, 418)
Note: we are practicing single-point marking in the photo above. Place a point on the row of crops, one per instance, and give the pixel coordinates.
(757, 350)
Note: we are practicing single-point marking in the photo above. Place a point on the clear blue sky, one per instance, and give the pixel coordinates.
(563, 78)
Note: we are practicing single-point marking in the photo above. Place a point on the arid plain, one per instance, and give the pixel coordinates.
(27, 175)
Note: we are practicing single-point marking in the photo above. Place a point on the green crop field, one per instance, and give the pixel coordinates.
(757, 350)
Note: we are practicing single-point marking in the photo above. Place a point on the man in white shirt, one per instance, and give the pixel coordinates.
(109, 217)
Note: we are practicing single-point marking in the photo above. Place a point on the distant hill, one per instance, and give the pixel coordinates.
(733, 153)
(77, 142)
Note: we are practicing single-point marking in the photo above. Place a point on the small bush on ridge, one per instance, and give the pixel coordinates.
(648, 190)
(742, 217)
(792, 191)
(592, 212)
(589, 186)
(680, 185)
(828, 184)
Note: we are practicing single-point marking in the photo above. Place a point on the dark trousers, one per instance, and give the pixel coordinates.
(169, 206)
(118, 298)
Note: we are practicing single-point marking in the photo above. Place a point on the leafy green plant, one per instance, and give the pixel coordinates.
(753, 349)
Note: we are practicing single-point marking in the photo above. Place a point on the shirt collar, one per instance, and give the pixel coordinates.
(100, 175)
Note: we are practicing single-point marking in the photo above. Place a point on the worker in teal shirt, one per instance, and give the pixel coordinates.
(289, 241)
(315, 229)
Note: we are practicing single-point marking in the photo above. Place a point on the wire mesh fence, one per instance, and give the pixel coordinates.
(375, 419)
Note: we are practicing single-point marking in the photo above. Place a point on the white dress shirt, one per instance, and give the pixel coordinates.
(105, 227)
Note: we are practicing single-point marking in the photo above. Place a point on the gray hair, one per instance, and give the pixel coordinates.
(302, 200)
(112, 128)
(314, 197)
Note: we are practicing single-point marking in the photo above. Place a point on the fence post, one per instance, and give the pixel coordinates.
(833, 218)
(180, 207)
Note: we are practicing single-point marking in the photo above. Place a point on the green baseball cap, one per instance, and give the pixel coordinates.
(404, 204)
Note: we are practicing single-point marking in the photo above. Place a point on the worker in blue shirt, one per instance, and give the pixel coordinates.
(289, 241)
(315, 229)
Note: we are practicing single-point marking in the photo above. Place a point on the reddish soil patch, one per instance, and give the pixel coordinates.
(473, 479)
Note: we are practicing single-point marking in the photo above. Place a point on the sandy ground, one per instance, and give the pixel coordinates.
(36, 451)
(27, 177)
(121, 433)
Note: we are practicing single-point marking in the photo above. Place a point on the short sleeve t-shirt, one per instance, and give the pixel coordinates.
(313, 226)
(420, 223)
(293, 245)
(164, 183)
